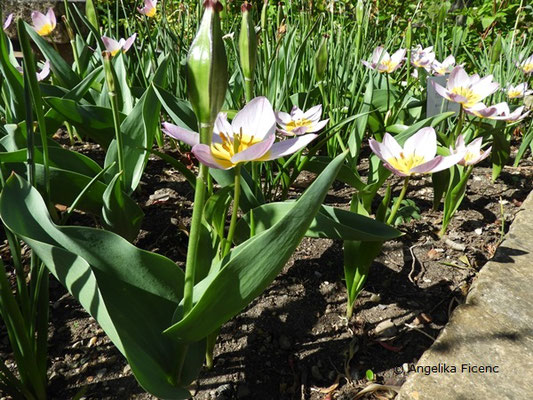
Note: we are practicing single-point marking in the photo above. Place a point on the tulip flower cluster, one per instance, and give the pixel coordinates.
(251, 135)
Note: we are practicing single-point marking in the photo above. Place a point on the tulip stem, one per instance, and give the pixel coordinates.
(459, 124)
(236, 198)
(396, 206)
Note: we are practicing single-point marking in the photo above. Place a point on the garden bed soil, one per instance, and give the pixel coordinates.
(293, 342)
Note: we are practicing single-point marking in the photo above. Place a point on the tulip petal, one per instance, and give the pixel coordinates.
(8, 21)
(189, 137)
(51, 17)
(255, 119)
(283, 118)
(223, 126)
(441, 90)
(422, 143)
(203, 153)
(313, 112)
(110, 44)
(318, 126)
(289, 146)
(255, 151)
(45, 71)
(129, 42)
(39, 20)
(458, 77)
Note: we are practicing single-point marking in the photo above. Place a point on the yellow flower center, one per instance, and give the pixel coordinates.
(224, 151)
(513, 94)
(405, 163)
(469, 157)
(151, 12)
(45, 30)
(298, 124)
(470, 96)
(527, 68)
(387, 66)
(114, 52)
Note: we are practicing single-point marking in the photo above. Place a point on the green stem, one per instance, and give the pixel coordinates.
(194, 238)
(398, 201)
(236, 198)
(459, 127)
(388, 102)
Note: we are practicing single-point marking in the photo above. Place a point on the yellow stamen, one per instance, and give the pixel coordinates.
(513, 94)
(404, 163)
(470, 96)
(527, 68)
(298, 124)
(469, 157)
(45, 30)
(150, 13)
(387, 66)
(224, 151)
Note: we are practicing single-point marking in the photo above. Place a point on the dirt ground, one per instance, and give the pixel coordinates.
(293, 342)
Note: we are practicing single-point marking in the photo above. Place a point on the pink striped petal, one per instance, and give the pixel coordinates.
(8, 21)
(255, 151)
(110, 44)
(203, 153)
(255, 119)
(51, 17)
(458, 77)
(184, 135)
(422, 143)
(289, 146)
(38, 20)
(129, 42)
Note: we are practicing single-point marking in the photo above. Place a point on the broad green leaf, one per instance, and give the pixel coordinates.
(179, 110)
(13, 81)
(123, 221)
(329, 222)
(346, 174)
(62, 71)
(132, 293)
(251, 266)
(138, 131)
(248, 198)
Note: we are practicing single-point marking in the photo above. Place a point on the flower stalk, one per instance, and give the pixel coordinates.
(399, 200)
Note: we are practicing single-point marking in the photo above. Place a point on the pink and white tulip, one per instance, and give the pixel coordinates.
(498, 111)
(472, 153)
(518, 91)
(443, 68)
(418, 155)
(527, 65)
(8, 21)
(112, 46)
(149, 8)
(43, 24)
(422, 58)
(382, 61)
(250, 137)
(466, 90)
(42, 75)
(298, 122)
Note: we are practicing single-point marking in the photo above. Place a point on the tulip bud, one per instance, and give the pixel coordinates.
(496, 50)
(247, 43)
(207, 69)
(264, 12)
(321, 59)
(359, 12)
(409, 39)
(109, 72)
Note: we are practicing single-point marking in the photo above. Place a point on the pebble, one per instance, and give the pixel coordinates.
(478, 231)
(385, 328)
(101, 372)
(92, 341)
(126, 370)
(375, 298)
(285, 342)
(223, 392)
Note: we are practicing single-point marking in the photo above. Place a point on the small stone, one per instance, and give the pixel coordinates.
(385, 329)
(285, 342)
(478, 231)
(223, 392)
(375, 298)
(126, 370)
(101, 372)
(92, 341)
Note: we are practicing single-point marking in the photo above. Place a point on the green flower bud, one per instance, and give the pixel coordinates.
(264, 13)
(207, 68)
(359, 12)
(109, 72)
(321, 59)
(496, 50)
(247, 43)
(409, 38)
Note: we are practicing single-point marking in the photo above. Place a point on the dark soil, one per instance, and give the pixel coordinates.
(293, 342)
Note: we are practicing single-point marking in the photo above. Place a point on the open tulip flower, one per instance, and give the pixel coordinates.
(527, 65)
(418, 155)
(515, 92)
(45, 71)
(249, 137)
(149, 8)
(114, 47)
(472, 153)
(422, 58)
(383, 62)
(443, 68)
(44, 24)
(7, 22)
(498, 111)
(299, 122)
(466, 90)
